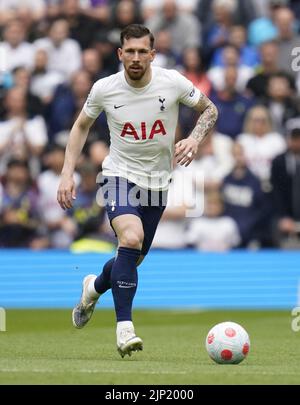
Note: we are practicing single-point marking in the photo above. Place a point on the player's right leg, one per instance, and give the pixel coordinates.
(124, 280)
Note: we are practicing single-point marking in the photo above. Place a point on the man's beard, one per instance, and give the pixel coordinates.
(136, 75)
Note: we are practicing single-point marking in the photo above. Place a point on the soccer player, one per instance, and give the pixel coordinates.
(141, 104)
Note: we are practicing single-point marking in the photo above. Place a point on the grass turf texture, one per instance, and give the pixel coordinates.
(42, 347)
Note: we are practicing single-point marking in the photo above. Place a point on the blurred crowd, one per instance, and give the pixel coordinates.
(243, 54)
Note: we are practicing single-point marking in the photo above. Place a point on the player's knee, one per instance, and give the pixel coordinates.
(131, 239)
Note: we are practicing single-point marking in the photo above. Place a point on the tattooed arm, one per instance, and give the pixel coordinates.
(186, 149)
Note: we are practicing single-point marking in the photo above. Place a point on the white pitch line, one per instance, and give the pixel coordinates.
(84, 371)
(112, 371)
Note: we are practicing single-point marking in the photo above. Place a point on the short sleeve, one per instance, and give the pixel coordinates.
(188, 94)
(93, 105)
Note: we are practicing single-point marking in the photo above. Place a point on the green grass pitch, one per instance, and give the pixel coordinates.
(42, 347)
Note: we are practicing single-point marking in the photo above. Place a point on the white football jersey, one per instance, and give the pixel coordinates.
(142, 124)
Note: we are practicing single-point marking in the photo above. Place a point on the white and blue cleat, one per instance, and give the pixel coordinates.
(83, 312)
(128, 342)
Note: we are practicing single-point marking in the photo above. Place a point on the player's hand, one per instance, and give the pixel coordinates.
(185, 151)
(66, 192)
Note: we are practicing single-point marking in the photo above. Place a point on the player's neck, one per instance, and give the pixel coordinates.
(144, 81)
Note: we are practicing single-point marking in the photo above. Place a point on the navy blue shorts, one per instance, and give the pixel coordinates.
(124, 197)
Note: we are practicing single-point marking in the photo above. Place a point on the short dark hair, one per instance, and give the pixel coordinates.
(136, 31)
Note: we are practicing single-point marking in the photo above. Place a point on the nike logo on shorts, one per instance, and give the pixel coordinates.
(118, 106)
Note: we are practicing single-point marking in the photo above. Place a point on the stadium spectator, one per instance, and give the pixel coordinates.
(261, 143)
(285, 178)
(261, 30)
(67, 102)
(124, 13)
(64, 54)
(107, 49)
(28, 11)
(231, 104)
(21, 136)
(44, 81)
(59, 229)
(231, 57)
(97, 152)
(262, 8)
(212, 162)
(241, 12)
(193, 69)
(96, 9)
(257, 85)
(238, 38)
(88, 216)
(95, 25)
(243, 199)
(280, 100)
(15, 50)
(288, 38)
(19, 220)
(202, 232)
(82, 27)
(182, 199)
(150, 7)
(53, 10)
(170, 18)
(20, 77)
(92, 62)
(217, 18)
(165, 56)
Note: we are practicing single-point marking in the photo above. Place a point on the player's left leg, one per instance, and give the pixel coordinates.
(92, 288)
(83, 311)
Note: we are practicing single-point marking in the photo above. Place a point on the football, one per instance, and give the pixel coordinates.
(227, 343)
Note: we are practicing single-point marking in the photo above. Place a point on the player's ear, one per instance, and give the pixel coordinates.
(153, 54)
(120, 54)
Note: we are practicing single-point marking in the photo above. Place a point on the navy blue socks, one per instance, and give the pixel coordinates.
(120, 274)
(124, 281)
(102, 282)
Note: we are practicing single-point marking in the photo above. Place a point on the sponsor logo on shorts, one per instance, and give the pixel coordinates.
(113, 205)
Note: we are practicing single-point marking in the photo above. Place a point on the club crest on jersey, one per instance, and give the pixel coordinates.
(156, 129)
(162, 100)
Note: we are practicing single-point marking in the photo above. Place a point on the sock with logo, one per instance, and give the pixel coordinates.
(124, 279)
(102, 282)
